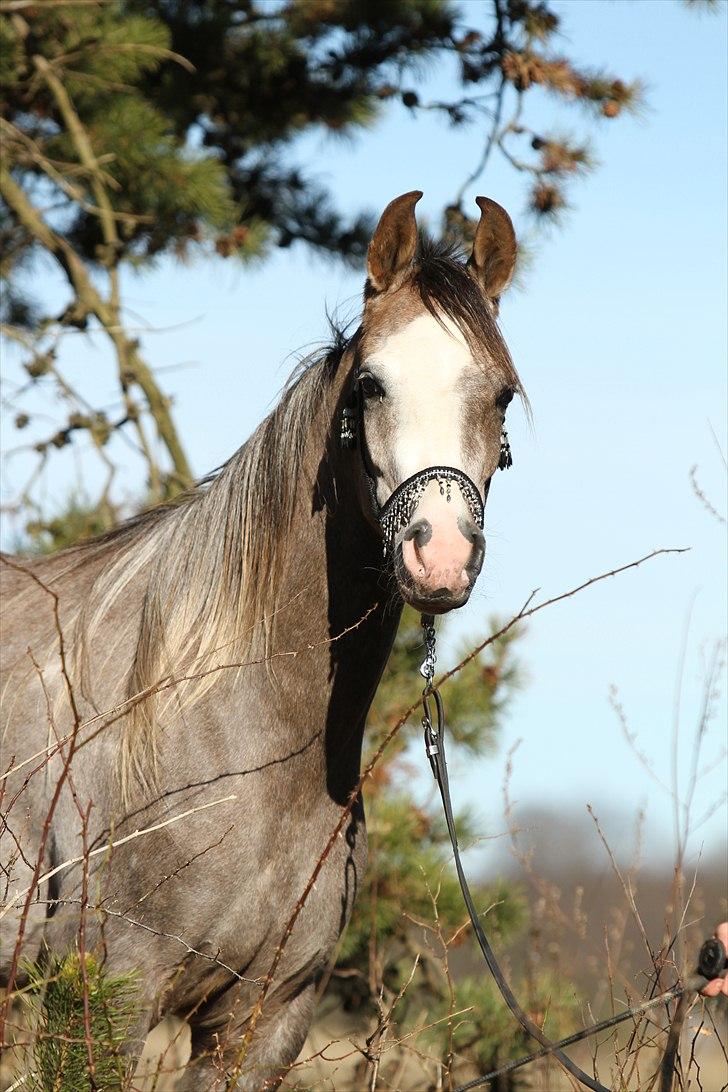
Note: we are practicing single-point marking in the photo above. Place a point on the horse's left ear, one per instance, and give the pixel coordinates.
(494, 249)
(394, 242)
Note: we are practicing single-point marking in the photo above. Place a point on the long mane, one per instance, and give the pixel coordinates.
(209, 567)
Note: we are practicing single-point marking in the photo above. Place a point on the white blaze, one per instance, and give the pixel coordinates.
(421, 367)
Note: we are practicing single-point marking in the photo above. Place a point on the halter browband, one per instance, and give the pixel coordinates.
(397, 510)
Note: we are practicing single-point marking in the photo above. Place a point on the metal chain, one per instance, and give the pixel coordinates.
(427, 671)
(427, 667)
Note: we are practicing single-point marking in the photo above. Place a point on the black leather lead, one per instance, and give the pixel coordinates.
(712, 961)
(435, 747)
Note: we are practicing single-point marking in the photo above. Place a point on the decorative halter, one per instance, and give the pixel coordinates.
(397, 511)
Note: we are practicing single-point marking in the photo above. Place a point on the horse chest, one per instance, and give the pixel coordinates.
(280, 886)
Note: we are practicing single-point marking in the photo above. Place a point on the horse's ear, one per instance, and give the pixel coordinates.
(494, 249)
(394, 242)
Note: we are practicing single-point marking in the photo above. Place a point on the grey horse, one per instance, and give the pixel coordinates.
(202, 675)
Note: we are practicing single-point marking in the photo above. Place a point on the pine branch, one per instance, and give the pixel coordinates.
(89, 301)
(85, 151)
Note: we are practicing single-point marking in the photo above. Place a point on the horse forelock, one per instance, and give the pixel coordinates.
(439, 282)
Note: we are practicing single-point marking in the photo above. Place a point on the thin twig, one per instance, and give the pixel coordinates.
(113, 845)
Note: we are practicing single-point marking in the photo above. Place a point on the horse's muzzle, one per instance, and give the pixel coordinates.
(437, 568)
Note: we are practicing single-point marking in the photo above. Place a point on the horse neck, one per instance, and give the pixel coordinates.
(337, 610)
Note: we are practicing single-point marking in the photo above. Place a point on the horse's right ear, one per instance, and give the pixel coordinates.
(494, 249)
(394, 242)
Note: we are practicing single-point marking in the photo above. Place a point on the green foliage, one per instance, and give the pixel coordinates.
(241, 81)
(76, 520)
(159, 191)
(408, 867)
(409, 901)
(175, 190)
(60, 1058)
(487, 1034)
(476, 696)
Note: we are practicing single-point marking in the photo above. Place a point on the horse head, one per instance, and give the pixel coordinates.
(431, 381)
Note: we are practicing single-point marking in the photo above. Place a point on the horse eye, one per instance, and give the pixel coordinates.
(505, 398)
(369, 387)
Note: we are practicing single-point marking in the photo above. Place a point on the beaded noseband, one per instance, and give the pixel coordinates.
(397, 511)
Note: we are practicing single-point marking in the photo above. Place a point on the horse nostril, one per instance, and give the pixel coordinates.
(470, 531)
(420, 531)
(473, 534)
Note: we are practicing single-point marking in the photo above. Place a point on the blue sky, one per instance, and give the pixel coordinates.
(619, 332)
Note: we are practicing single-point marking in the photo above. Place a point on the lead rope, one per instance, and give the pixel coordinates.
(711, 962)
(435, 749)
